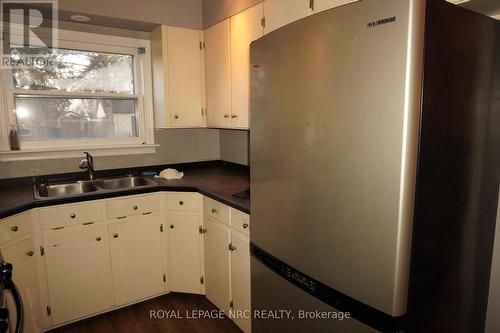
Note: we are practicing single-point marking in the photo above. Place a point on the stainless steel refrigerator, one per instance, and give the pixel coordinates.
(374, 148)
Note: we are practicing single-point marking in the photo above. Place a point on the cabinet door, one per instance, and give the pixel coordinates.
(321, 5)
(184, 71)
(78, 271)
(240, 278)
(136, 258)
(22, 256)
(217, 75)
(184, 251)
(281, 12)
(245, 28)
(217, 240)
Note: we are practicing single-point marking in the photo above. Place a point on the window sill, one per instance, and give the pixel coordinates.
(58, 152)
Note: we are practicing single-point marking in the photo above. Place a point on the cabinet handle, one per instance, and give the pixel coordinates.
(226, 115)
(29, 253)
(234, 116)
(72, 216)
(171, 226)
(14, 228)
(176, 116)
(214, 210)
(245, 225)
(134, 207)
(181, 202)
(232, 247)
(98, 238)
(115, 235)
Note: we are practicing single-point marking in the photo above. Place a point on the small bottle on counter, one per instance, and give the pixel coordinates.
(14, 138)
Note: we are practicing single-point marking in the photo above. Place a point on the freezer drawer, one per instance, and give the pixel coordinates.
(271, 292)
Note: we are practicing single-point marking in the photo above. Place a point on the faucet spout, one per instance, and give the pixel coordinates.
(88, 164)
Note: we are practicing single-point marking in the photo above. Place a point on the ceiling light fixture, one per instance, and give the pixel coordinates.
(80, 18)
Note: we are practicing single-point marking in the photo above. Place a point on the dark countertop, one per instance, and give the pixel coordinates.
(217, 182)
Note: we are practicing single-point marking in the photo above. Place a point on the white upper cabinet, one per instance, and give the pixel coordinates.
(245, 28)
(321, 5)
(178, 83)
(217, 75)
(278, 13)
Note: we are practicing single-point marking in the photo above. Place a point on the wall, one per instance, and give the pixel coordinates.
(234, 146)
(177, 146)
(215, 11)
(492, 319)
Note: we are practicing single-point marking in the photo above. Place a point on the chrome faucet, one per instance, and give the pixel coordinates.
(88, 163)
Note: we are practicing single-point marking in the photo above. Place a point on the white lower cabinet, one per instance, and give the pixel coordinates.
(136, 247)
(21, 256)
(227, 263)
(185, 253)
(108, 253)
(240, 280)
(217, 239)
(78, 271)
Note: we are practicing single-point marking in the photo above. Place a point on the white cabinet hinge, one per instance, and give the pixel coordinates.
(263, 22)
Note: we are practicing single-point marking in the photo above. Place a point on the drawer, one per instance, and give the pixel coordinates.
(133, 206)
(15, 226)
(67, 215)
(216, 210)
(189, 202)
(240, 221)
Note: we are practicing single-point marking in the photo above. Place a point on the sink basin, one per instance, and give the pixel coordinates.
(121, 183)
(88, 186)
(58, 190)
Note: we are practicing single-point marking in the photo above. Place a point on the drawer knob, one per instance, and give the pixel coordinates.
(226, 116)
(171, 226)
(115, 235)
(98, 238)
(72, 216)
(214, 210)
(245, 225)
(181, 202)
(30, 253)
(176, 116)
(14, 228)
(134, 207)
(234, 116)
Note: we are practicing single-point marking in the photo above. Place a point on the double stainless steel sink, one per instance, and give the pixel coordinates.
(42, 191)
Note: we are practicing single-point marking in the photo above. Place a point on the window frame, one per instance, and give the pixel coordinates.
(142, 95)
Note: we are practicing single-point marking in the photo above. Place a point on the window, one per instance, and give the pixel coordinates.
(93, 91)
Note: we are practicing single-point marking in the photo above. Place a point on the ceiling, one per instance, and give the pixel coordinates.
(486, 7)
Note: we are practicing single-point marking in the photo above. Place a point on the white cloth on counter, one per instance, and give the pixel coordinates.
(170, 174)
